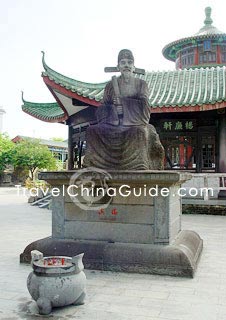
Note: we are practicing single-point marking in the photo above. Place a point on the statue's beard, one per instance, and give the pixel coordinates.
(127, 75)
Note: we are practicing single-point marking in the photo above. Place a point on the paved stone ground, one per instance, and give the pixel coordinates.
(113, 296)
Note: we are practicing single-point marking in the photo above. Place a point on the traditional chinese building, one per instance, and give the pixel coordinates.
(58, 148)
(188, 104)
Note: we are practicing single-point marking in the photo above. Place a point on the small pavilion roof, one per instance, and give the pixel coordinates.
(49, 112)
(208, 31)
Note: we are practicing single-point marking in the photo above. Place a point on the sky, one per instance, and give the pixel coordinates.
(80, 38)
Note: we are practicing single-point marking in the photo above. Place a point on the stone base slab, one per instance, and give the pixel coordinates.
(177, 259)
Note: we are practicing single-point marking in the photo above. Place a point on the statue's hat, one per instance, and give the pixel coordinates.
(125, 54)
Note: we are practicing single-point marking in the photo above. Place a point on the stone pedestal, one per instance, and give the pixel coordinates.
(135, 227)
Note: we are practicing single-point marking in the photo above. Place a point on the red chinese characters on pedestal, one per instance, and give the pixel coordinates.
(114, 211)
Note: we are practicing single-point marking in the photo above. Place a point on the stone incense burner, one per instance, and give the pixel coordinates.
(56, 281)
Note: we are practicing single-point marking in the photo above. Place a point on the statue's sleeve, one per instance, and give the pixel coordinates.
(144, 93)
(108, 94)
(103, 110)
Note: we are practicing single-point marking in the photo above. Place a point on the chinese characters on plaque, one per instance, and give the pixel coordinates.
(178, 125)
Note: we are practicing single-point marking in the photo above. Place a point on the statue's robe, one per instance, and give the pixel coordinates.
(129, 144)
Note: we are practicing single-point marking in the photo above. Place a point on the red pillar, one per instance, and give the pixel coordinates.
(189, 153)
(181, 152)
(196, 60)
(180, 63)
(219, 61)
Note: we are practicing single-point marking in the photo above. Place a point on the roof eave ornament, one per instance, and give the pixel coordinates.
(43, 61)
(22, 96)
(208, 28)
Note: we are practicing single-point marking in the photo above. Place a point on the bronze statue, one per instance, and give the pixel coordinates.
(123, 138)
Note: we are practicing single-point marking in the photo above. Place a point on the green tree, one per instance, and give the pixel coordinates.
(31, 155)
(6, 151)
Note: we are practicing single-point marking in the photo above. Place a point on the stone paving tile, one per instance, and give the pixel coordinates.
(8, 295)
(204, 312)
(182, 289)
(135, 311)
(222, 310)
(92, 282)
(116, 299)
(152, 302)
(107, 315)
(9, 316)
(164, 304)
(129, 285)
(222, 300)
(7, 305)
(146, 294)
(95, 289)
(209, 292)
(207, 275)
(223, 286)
(173, 281)
(192, 299)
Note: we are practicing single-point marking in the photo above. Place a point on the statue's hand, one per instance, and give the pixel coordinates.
(118, 105)
(116, 101)
(119, 109)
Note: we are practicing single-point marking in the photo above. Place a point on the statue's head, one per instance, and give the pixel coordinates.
(126, 61)
(125, 54)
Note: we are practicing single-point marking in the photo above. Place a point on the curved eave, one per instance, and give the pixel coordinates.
(171, 49)
(53, 86)
(206, 65)
(72, 88)
(48, 112)
(154, 110)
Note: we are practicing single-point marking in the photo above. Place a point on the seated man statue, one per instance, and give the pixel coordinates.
(123, 139)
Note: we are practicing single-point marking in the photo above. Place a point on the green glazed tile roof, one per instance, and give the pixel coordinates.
(208, 31)
(178, 88)
(44, 111)
(187, 87)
